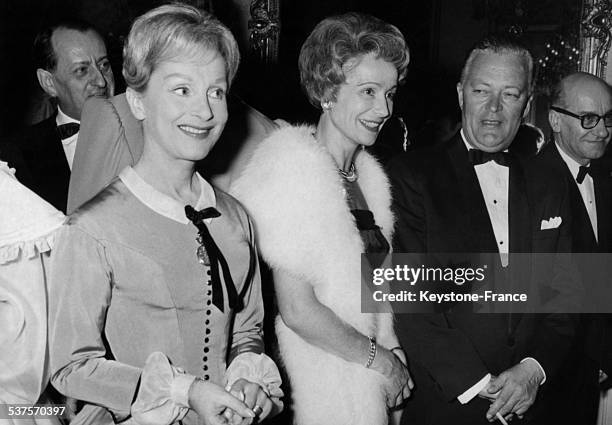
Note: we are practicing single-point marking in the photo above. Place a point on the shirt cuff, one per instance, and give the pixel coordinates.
(163, 396)
(474, 390)
(539, 365)
(257, 368)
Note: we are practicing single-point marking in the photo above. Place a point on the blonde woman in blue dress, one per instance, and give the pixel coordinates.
(156, 309)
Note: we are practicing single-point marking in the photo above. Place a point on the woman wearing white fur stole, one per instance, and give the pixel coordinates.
(318, 202)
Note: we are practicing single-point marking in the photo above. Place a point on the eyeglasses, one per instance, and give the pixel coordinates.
(587, 121)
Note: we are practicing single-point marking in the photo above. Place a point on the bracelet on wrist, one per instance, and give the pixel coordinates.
(371, 352)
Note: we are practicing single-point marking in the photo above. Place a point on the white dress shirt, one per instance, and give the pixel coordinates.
(494, 184)
(586, 188)
(494, 181)
(70, 143)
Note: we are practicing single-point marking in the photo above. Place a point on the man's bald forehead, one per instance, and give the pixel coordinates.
(575, 83)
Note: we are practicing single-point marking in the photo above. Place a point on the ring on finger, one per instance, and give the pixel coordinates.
(258, 410)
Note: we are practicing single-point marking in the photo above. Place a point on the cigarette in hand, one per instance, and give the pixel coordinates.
(501, 418)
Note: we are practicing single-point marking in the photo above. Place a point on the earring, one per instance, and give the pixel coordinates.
(327, 104)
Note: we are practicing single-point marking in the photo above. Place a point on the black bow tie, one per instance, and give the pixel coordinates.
(582, 172)
(68, 130)
(478, 157)
(209, 254)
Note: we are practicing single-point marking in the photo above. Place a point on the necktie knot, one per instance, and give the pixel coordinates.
(68, 130)
(478, 157)
(582, 172)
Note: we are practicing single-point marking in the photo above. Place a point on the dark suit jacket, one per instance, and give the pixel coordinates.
(440, 208)
(45, 170)
(583, 239)
(577, 384)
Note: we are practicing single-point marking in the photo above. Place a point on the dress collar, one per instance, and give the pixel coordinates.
(162, 203)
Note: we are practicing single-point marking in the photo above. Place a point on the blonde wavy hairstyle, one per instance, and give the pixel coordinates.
(167, 31)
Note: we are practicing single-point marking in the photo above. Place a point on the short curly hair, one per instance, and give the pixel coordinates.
(336, 41)
(163, 33)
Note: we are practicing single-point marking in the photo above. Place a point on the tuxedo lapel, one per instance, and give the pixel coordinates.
(602, 181)
(45, 138)
(583, 238)
(519, 219)
(477, 221)
(47, 164)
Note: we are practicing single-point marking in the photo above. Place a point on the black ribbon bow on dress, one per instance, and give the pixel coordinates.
(374, 241)
(68, 130)
(582, 172)
(478, 157)
(210, 253)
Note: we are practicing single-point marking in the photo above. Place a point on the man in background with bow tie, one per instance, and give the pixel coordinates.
(72, 66)
(469, 195)
(580, 117)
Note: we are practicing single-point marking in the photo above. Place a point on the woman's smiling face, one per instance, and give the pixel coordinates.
(365, 101)
(183, 106)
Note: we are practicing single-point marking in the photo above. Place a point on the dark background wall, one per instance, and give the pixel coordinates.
(438, 31)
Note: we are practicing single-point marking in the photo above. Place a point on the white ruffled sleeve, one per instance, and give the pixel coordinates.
(257, 368)
(163, 395)
(27, 221)
(27, 228)
(26, 249)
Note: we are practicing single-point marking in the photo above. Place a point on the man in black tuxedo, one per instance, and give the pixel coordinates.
(580, 117)
(579, 143)
(449, 200)
(72, 66)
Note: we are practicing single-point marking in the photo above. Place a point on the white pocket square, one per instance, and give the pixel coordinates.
(551, 223)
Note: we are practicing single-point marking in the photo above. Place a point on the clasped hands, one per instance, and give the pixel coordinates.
(394, 366)
(244, 403)
(513, 391)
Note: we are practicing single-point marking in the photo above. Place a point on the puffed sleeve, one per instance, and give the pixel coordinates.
(27, 228)
(258, 368)
(110, 139)
(163, 394)
(247, 359)
(80, 294)
(80, 288)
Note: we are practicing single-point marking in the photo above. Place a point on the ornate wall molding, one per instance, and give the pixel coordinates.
(264, 29)
(595, 36)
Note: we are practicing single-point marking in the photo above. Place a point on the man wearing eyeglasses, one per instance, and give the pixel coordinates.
(581, 120)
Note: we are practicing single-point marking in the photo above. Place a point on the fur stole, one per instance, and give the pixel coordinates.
(294, 193)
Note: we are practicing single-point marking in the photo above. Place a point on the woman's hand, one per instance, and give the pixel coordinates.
(393, 367)
(257, 399)
(210, 401)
